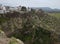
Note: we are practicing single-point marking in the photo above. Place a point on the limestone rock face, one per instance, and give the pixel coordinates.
(15, 41)
(10, 41)
(28, 24)
(12, 25)
(5, 40)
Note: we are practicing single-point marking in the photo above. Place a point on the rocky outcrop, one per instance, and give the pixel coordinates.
(15, 41)
(5, 40)
(32, 27)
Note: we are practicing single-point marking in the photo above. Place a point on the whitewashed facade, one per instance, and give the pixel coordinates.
(19, 8)
(12, 9)
(28, 9)
(2, 9)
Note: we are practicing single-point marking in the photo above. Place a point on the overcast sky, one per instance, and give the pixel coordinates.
(32, 3)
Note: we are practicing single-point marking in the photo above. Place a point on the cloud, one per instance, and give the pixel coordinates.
(33, 3)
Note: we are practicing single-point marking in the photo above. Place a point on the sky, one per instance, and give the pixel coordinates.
(32, 3)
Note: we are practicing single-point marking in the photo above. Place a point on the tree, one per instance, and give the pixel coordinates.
(23, 8)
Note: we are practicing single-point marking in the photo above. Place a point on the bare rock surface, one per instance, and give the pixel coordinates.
(5, 40)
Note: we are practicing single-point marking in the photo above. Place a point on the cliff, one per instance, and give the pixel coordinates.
(34, 27)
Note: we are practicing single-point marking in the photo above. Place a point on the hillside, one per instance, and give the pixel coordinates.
(34, 27)
(57, 15)
(5, 40)
(48, 9)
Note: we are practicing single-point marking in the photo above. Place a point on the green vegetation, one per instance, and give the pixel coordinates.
(13, 41)
(35, 36)
(3, 19)
(1, 31)
(37, 26)
(55, 14)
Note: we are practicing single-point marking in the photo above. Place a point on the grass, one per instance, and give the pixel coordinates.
(1, 31)
(55, 14)
(2, 19)
(13, 41)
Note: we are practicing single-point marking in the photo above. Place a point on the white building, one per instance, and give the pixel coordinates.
(13, 9)
(19, 8)
(5, 9)
(28, 9)
(2, 9)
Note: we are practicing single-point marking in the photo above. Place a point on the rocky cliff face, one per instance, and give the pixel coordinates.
(32, 27)
(5, 40)
(13, 23)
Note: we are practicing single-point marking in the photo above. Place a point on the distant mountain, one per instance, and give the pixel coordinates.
(56, 10)
(47, 9)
